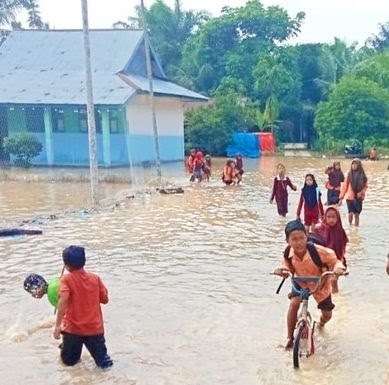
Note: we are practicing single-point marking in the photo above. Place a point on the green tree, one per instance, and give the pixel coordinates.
(356, 109)
(9, 9)
(24, 147)
(375, 68)
(380, 41)
(229, 45)
(210, 128)
(170, 29)
(278, 86)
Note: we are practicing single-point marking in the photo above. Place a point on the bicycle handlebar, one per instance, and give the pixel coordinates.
(319, 280)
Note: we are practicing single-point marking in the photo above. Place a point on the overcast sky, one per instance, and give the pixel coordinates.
(352, 20)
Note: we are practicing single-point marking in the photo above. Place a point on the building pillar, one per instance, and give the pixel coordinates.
(49, 136)
(106, 137)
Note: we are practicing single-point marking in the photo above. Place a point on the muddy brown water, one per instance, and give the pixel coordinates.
(191, 298)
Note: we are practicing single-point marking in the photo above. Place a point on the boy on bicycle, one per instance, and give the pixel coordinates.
(299, 262)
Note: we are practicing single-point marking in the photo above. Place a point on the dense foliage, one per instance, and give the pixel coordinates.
(24, 147)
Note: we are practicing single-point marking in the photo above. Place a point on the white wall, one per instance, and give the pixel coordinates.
(169, 111)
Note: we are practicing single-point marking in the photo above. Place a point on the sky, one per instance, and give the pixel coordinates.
(350, 20)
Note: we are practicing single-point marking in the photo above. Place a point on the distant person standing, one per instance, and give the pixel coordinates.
(373, 154)
(239, 168)
(280, 190)
(333, 185)
(207, 166)
(198, 164)
(190, 161)
(229, 173)
(354, 190)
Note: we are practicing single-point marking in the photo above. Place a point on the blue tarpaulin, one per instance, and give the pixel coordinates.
(247, 145)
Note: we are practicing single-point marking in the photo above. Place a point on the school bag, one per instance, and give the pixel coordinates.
(313, 239)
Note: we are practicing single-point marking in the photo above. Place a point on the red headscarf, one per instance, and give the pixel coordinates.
(335, 237)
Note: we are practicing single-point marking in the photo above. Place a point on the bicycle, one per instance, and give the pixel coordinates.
(303, 342)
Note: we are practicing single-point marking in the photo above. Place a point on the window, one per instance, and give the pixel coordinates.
(58, 119)
(83, 120)
(114, 121)
(35, 121)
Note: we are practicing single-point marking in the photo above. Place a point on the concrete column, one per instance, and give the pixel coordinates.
(49, 136)
(106, 137)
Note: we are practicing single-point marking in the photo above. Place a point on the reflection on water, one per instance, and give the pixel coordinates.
(191, 298)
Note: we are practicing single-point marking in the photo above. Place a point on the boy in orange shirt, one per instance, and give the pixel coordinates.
(79, 317)
(299, 262)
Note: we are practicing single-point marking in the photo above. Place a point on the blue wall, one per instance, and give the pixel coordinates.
(72, 149)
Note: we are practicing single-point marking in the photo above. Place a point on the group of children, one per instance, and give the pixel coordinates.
(352, 188)
(321, 237)
(199, 166)
(233, 171)
(77, 296)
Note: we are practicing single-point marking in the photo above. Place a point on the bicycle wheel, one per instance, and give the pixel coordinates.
(300, 344)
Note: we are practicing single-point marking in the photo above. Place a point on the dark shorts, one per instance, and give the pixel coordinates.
(332, 197)
(326, 304)
(71, 349)
(354, 206)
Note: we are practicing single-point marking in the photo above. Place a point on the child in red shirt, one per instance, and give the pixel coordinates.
(280, 192)
(79, 317)
(310, 199)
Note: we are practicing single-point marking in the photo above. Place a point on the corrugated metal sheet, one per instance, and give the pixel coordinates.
(164, 88)
(47, 67)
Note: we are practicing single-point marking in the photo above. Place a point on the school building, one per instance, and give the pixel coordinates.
(42, 92)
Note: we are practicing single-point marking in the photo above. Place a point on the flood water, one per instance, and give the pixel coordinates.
(191, 298)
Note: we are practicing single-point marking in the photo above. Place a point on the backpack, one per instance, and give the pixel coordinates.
(313, 239)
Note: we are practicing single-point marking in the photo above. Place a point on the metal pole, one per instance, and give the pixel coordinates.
(151, 93)
(90, 108)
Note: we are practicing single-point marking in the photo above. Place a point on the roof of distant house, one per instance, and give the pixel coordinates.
(48, 67)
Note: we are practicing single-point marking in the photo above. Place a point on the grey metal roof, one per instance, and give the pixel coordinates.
(47, 67)
(164, 88)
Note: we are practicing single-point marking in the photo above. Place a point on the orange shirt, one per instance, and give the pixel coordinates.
(305, 267)
(84, 291)
(348, 192)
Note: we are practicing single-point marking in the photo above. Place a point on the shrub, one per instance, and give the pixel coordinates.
(24, 147)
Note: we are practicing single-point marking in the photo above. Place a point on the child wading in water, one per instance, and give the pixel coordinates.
(335, 179)
(79, 317)
(197, 167)
(280, 192)
(310, 199)
(299, 262)
(354, 190)
(207, 167)
(37, 286)
(229, 173)
(239, 168)
(335, 238)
